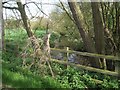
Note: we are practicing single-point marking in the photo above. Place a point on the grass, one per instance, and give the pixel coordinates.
(18, 80)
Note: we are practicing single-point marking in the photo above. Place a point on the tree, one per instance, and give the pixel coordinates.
(1, 28)
(79, 20)
(35, 44)
(34, 41)
(117, 9)
(63, 25)
(110, 18)
(98, 30)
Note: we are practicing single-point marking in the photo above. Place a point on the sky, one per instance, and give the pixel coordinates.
(33, 9)
(46, 8)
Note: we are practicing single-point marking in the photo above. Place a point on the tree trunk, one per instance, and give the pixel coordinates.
(117, 64)
(24, 18)
(34, 41)
(1, 41)
(1, 28)
(79, 20)
(99, 31)
(103, 13)
(98, 28)
(117, 9)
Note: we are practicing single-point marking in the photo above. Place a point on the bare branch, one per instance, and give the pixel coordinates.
(40, 3)
(63, 7)
(40, 9)
(36, 4)
(10, 7)
(15, 14)
(4, 2)
(29, 10)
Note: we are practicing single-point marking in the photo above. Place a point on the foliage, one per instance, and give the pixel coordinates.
(76, 78)
(19, 37)
(13, 23)
(68, 78)
(71, 77)
(62, 24)
(40, 23)
(85, 7)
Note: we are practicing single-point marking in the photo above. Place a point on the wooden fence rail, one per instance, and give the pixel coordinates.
(107, 72)
(109, 57)
(114, 58)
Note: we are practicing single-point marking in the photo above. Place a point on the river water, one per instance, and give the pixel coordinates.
(73, 58)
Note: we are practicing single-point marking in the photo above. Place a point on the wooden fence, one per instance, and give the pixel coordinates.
(108, 57)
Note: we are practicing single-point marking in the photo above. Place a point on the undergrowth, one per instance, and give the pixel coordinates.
(72, 78)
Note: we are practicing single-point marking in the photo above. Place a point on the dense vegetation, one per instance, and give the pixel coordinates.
(74, 78)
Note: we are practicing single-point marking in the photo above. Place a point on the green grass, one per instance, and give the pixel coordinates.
(18, 80)
(19, 36)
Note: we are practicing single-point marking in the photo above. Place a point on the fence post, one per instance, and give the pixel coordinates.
(67, 55)
(104, 64)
